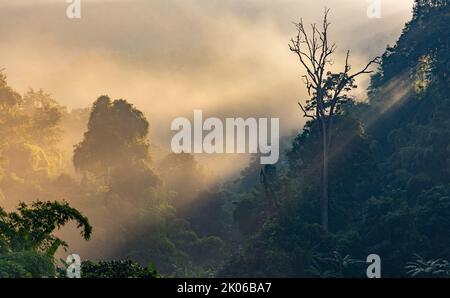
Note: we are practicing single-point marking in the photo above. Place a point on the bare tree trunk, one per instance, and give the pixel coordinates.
(324, 200)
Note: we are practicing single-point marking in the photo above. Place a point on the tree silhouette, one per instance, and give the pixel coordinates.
(115, 144)
(327, 90)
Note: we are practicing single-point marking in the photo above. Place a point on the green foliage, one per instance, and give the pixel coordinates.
(27, 240)
(31, 227)
(389, 183)
(9, 269)
(423, 7)
(336, 266)
(26, 264)
(389, 175)
(428, 268)
(117, 269)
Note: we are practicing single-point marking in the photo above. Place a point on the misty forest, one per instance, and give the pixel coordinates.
(361, 177)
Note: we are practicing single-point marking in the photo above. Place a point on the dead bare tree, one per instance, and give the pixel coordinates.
(327, 90)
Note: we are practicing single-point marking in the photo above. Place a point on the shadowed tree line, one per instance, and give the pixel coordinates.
(388, 171)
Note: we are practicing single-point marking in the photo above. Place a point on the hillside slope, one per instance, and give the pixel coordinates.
(390, 179)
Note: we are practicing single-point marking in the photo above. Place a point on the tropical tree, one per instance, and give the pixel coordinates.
(27, 241)
(116, 134)
(31, 227)
(115, 147)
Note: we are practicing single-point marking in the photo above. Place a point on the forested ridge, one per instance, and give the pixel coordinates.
(389, 181)
(140, 211)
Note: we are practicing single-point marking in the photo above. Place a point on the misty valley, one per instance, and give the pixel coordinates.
(237, 133)
(347, 174)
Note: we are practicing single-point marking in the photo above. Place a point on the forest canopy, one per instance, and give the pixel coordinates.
(360, 178)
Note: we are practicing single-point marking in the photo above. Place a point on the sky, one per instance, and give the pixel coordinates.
(169, 57)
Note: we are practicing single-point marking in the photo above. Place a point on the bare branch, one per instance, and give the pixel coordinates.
(346, 79)
(376, 60)
(314, 53)
(305, 113)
